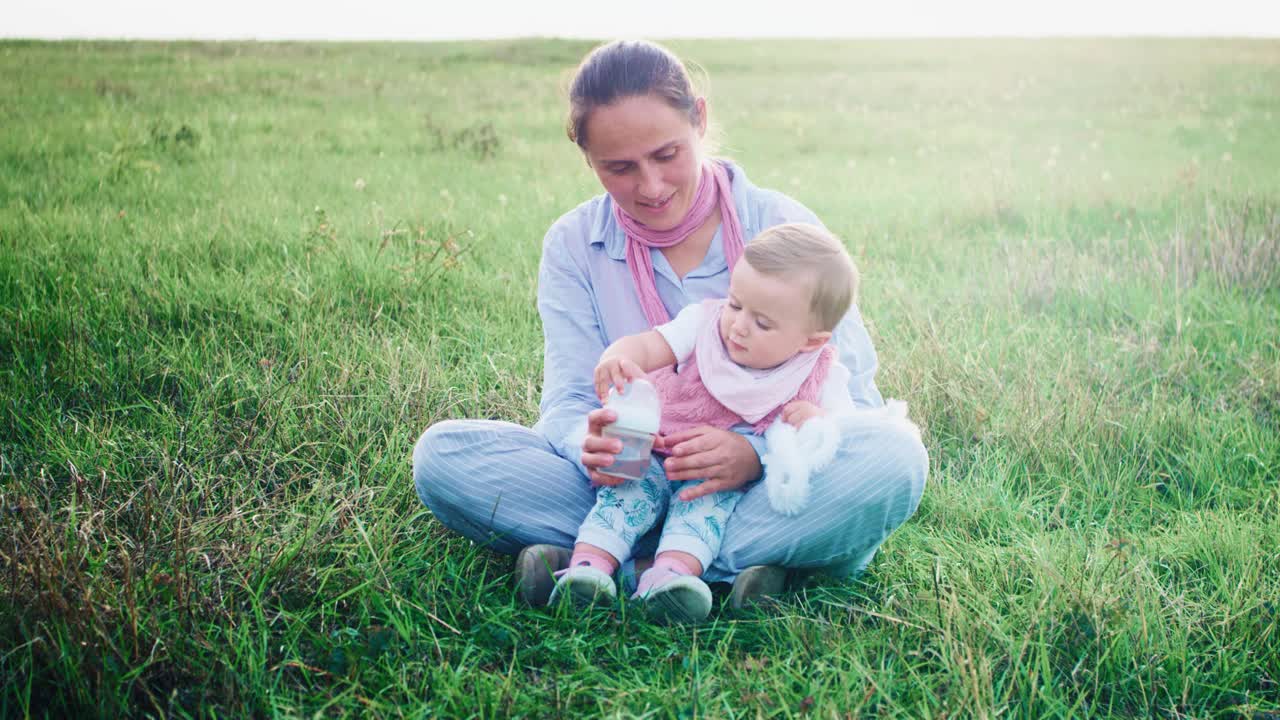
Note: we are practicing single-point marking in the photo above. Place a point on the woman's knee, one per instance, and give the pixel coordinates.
(911, 462)
(885, 465)
(429, 462)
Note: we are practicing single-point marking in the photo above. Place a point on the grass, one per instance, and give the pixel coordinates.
(237, 280)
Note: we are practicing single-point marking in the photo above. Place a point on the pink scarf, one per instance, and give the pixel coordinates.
(714, 188)
(752, 394)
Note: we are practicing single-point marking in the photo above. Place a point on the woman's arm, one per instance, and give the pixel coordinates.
(855, 351)
(850, 338)
(572, 342)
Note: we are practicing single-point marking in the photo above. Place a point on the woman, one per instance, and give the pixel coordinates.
(618, 264)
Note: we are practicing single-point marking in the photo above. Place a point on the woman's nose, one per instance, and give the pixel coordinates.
(650, 182)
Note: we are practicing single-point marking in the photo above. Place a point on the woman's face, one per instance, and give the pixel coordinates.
(647, 156)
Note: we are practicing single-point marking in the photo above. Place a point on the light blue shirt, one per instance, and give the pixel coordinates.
(587, 301)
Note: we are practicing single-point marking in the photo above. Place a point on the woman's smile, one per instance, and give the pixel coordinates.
(657, 207)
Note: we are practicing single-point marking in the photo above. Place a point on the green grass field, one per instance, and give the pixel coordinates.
(238, 280)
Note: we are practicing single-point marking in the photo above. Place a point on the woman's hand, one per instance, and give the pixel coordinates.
(599, 451)
(798, 412)
(616, 372)
(723, 457)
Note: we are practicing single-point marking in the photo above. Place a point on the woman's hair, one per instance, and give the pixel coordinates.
(623, 69)
(812, 252)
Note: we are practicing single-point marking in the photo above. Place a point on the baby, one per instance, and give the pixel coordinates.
(741, 363)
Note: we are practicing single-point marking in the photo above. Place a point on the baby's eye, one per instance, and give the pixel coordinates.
(734, 306)
(619, 169)
(762, 324)
(665, 158)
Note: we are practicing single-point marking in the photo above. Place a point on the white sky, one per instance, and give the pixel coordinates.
(453, 19)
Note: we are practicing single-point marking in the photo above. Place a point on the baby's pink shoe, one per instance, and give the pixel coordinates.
(673, 594)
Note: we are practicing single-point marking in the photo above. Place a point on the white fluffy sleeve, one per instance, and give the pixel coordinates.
(792, 455)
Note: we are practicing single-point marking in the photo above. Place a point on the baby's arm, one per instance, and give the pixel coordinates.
(797, 412)
(629, 358)
(834, 398)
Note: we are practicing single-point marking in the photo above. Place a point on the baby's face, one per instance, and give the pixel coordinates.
(767, 319)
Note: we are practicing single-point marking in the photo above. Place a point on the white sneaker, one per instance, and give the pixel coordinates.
(682, 599)
(584, 586)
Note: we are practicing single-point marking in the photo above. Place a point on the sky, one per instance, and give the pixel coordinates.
(464, 19)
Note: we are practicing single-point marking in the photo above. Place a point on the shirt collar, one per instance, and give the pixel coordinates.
(609, 233)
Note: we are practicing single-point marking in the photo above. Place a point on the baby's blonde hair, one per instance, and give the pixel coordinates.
(804, 249)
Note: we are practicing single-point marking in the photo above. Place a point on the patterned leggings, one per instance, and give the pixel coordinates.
(623, 513)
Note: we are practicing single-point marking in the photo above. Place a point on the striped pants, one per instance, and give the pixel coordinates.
(503, 485)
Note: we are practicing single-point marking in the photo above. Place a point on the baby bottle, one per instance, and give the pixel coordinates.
(639, 413)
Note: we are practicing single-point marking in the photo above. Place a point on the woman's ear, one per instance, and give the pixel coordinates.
(815, 341)
(700, 107)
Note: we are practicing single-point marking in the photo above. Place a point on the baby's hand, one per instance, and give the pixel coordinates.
(800, 411)
(616, 371)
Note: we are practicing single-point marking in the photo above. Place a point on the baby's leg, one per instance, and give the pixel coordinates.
(672, 589)
(694, 529)
(690, 537)
(622, 514)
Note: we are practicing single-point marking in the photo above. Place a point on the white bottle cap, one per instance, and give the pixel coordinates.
(638, 406)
